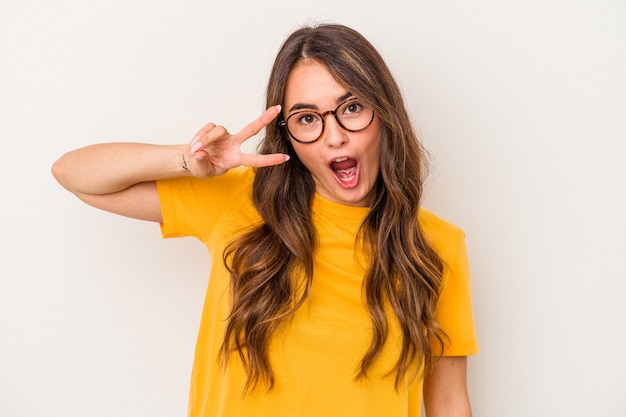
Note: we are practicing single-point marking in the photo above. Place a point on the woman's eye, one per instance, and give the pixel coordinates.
(307, 119)
(352, 108)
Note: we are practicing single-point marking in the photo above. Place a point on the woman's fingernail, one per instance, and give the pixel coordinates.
(195, 147)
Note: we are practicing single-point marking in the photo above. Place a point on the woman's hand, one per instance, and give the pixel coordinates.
(213, 150)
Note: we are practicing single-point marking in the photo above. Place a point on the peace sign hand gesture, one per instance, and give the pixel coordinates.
(213, 150)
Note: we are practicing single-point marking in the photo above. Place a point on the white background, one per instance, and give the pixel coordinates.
(522, 104)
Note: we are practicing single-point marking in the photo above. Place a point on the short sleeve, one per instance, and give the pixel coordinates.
(192, 206)
(454, 310)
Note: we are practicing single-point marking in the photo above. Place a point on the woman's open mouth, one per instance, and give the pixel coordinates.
(345, 171)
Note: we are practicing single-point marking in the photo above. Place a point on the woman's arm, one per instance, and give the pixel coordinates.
(445, 389)
(121, 177)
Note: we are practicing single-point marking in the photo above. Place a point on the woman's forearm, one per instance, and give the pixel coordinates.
(111, 167)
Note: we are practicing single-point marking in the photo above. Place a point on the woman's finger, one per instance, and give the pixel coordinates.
(203, 131)
(202, 141)
(259, 123)
(260, 160)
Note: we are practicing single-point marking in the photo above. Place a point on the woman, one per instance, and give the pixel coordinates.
(331, 293)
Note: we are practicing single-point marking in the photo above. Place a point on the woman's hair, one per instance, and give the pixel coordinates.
(271, 265)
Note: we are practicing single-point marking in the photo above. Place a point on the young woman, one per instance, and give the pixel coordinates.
(331, 292)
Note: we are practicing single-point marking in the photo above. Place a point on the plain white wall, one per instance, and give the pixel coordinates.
(522, 105)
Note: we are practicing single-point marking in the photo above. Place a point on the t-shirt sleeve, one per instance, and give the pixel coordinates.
(454, 309)
(192, 206)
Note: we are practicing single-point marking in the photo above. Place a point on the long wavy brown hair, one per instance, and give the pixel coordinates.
(271, 265)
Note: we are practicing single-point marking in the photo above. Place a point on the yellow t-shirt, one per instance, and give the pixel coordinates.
(315, 357)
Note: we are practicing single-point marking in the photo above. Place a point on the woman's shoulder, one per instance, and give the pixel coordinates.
(218, 192)
(235, 179)
(444, 235)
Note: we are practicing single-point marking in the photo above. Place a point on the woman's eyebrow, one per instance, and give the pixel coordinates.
(344, 97)
(300, 106)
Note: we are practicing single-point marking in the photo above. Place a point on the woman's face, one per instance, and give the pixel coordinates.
(344, 165)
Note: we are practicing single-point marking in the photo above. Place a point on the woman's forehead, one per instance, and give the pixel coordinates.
(310, 84)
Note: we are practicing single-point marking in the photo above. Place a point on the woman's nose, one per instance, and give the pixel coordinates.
(334, 134)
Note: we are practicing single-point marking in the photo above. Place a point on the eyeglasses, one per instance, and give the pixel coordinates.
(307, 126)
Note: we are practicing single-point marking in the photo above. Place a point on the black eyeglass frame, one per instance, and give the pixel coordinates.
(283, 123)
